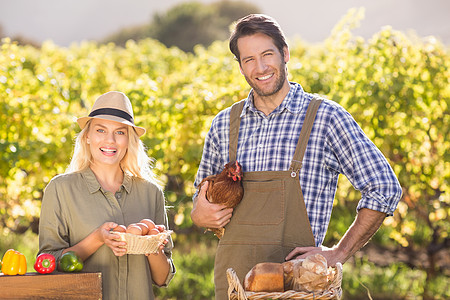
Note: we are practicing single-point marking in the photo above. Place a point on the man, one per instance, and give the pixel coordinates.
(292, 146)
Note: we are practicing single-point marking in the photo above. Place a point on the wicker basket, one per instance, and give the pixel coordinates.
(237, 292)
(143, 244)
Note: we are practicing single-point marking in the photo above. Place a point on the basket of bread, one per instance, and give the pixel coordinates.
(309, 278)
(143, 237)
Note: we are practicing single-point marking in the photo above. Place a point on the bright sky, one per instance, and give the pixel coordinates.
(66, 21)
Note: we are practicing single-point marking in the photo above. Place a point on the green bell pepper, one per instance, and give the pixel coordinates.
(70, 262)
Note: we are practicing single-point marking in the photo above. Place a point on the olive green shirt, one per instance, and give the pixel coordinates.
(74, 205)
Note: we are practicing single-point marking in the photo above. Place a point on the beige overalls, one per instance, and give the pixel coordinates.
(271, 219)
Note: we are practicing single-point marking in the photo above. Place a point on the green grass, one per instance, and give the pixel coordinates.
(364, 280)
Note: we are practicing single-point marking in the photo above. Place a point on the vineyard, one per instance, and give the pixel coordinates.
(396, 86)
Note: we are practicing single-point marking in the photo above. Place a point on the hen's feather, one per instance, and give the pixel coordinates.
(225, 188)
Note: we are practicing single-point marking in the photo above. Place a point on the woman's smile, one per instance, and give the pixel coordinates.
(108, 151)
(108, 141)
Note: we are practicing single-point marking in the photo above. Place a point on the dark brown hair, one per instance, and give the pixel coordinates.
(257, 23)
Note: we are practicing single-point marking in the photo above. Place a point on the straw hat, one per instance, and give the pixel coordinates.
(113, 106)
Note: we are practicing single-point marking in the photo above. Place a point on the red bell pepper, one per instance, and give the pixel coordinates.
(45, 263)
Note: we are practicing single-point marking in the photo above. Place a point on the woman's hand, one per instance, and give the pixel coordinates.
(99, 237)
(112, 240)
(160, 249)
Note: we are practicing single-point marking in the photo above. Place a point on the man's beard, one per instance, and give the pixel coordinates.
(278, 84)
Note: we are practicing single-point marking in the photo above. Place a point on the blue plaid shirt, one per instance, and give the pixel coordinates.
(337, 145)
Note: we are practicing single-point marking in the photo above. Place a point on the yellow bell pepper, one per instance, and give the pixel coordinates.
(14, 263)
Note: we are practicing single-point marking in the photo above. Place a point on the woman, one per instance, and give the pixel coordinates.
(109, 182)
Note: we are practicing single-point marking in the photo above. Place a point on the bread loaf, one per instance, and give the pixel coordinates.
(265, 277)
(316, 264)
(288, 268)
(312, 274)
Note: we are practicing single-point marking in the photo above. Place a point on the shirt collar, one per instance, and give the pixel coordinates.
(293, 102)
(93, 184)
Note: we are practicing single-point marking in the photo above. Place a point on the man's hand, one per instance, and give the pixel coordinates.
(363, 228)
(207, 214)
(330, 254)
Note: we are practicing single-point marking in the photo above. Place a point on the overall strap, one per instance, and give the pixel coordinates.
(297, 159)
(235, 122)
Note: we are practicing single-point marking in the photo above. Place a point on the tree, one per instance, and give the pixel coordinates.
(189, 24)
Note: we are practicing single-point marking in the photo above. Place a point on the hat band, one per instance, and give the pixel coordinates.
(112, 112)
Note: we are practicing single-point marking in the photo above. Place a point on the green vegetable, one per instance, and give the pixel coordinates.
(70, 262)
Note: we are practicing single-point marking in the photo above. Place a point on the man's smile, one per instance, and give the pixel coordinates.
(265, 77)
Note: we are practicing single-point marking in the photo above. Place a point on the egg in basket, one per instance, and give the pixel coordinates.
(142, 238)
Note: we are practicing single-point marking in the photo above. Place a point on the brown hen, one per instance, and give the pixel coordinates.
(225, 188)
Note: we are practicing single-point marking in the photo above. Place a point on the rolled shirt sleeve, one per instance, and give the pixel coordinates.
(363, 164)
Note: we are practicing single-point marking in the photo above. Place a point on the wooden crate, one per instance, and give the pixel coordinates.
(51, 286)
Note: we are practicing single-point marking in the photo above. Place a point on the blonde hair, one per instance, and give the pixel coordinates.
(136, 162)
